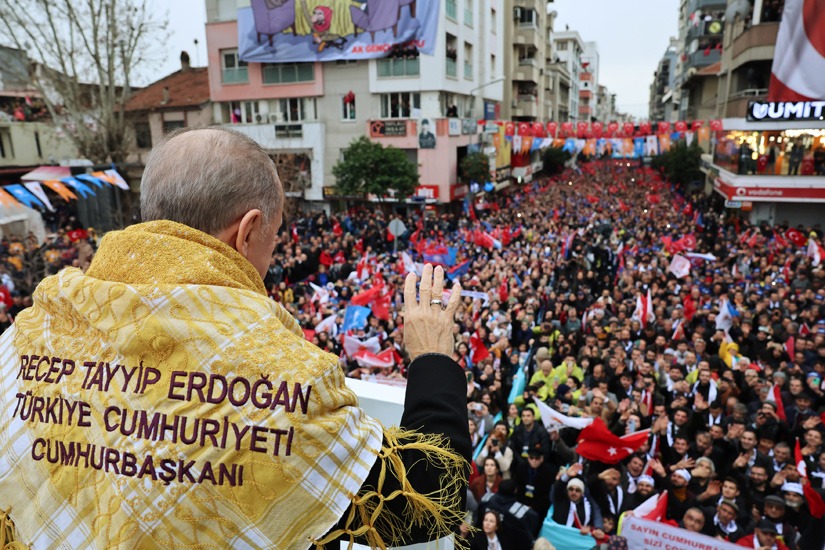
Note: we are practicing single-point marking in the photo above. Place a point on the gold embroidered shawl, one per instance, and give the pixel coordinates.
(162, 400)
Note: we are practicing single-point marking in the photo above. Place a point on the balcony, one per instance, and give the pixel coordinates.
(398, 67)
(707, 5)
(526, 33)
(527, 70)
(699, 59)
(585, 94)
(526, 106)
(238, 75)
(757, 43)
(452, 68)
(737, 106)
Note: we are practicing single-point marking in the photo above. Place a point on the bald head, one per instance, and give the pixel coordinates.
(208, 178)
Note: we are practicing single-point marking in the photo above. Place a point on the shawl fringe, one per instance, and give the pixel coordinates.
(9, 532)
(369, 521)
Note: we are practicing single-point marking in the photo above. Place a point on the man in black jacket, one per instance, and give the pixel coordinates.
(529, 435)
(534, 479)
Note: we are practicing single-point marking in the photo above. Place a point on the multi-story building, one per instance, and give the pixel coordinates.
(661, 105)
(306, 114)
(527, 47)
(28, 136)
(556, 77)
(769, 162)
(569, 47)
(701, 28)
(589, 83)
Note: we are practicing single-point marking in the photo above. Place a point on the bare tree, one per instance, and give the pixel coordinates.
(85, 55)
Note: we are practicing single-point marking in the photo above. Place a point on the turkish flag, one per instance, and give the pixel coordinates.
(596, 442)
(478, 351)
(612, 128)
(509, 128)
(796, 237)
(696, 124)
(681, 126)
(628, 129)
(644, 128)
(581, 129)
(551, 129)
(664, 127)
(538, 129)
(566, 129)
(598, 129)
(816, 506)
(716, 125)
(367, 297)
(524, 129)
(800, 460)
(659, 511)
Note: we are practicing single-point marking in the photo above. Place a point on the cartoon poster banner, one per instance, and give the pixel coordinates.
(285, 31)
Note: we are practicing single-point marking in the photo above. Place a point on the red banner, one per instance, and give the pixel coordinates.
(664, 127)
(551, 129)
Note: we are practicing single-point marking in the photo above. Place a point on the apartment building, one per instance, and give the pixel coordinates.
(569, 48)
(769, 161)
(528, 48)
(662, 106)
(589, 83)
(306, 114)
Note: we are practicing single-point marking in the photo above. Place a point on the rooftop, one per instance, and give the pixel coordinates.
(186, 88)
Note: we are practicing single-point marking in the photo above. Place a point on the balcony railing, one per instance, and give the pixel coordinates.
(699, 59)
(452, 9)
(531, 61)
(452, 68)
(398, 67)
(238, 75)
(286, 131)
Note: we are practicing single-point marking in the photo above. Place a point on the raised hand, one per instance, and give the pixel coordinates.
(428, 327)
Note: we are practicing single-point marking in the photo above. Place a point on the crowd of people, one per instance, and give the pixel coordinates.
(571, 301)
(564, 263)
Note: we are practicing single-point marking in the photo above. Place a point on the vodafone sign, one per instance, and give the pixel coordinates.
(769, 193)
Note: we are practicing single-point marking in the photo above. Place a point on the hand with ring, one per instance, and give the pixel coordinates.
(428, 326)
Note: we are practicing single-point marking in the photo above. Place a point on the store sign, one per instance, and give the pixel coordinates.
(785, 110)
(469, 126)
(489, 110)
(769, 193)
(454, 126)
(388, 128)
(490, 128)
(458, 191)
(426, 192)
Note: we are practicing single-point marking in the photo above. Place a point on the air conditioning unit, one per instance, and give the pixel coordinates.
(516, 13)
(259, 118)
(276, 117)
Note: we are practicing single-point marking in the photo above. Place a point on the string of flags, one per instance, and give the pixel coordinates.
(32, 194)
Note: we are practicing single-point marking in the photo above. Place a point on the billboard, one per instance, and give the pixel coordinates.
(288, 31)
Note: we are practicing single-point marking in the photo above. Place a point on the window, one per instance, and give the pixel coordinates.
(292, 109)
(397, 66)
(172, 125)
(492, 64)
(561, 46)
(528, 18)
(251, 115)
(468, 61)
(233, 70)
(493, 20)
(6, 149)
(468, 13)
(399, 104)
(287, 73)
(452, 10)
(452, 55)
(348, 107)
(143, 135)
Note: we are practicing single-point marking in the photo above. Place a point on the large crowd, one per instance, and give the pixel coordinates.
(571, 301)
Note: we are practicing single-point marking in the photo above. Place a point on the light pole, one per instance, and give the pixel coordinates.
(477, 88)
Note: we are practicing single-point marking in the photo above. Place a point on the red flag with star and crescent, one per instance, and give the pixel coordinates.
(596, 442)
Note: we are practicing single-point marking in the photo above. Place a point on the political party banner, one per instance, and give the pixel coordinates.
(288, 31)
(643, 533)
(798, 70)
(679, 266)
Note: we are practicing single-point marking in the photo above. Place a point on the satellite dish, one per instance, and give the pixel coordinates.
(737, 8)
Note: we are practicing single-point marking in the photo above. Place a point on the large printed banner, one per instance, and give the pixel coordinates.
(643, 533)
(281, 31)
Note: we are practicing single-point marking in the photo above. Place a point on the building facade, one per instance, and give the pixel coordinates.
(306, 114)
(569, 47)
(661, 105)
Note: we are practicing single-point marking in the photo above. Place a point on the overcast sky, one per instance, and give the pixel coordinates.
(632, 36)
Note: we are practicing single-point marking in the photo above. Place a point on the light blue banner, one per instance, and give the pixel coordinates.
(285, 31)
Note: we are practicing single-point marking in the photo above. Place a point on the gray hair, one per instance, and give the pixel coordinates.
(207, 178)
(709, 462)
